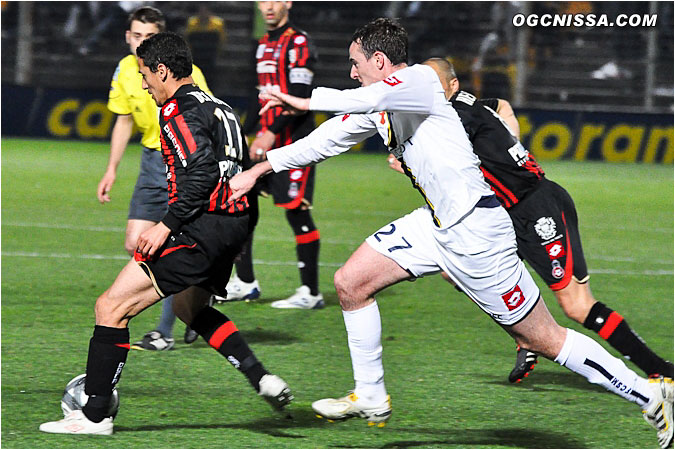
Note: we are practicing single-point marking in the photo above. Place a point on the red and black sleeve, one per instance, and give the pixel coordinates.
(192, 165)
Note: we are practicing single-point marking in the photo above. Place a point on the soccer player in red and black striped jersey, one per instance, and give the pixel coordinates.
(284, 61)
(190, 252)
(545, 222)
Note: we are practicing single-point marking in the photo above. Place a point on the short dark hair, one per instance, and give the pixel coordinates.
(386, 36)
(147, 14)
(169, 49)
(447, 68)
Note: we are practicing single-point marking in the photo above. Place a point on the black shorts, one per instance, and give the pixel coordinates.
(290, 189)
(200, 255)
(547, 232)
(150, 199)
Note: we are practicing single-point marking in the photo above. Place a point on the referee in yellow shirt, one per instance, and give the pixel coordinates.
(149, 202)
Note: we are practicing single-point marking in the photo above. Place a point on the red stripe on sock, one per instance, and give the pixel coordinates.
(608, 328)
(127, 346)
(222, 333)
(307, 237)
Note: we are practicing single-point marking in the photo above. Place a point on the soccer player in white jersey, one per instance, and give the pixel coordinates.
(462, 231)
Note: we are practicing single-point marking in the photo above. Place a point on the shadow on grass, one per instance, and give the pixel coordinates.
(509, 437)
(299, 427)
(276, 426)
(544, 380)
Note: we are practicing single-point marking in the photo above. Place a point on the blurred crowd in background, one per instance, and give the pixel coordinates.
(77, 44)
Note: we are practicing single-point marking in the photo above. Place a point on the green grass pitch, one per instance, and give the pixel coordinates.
(446, 362)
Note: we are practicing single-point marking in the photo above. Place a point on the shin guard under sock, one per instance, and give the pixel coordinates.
(223, 335)
(108, 350)
(612, 327)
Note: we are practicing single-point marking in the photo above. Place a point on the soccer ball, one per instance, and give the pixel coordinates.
(74, 397)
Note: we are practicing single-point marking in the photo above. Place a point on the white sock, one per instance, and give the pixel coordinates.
(586, 357)
(364, 331)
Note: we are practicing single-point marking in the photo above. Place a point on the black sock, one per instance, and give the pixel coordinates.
(223, 335)
(612, 327)
(307, 247)
(244, 263)
(108, 350)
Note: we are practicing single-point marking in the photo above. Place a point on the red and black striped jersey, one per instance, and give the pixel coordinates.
(203, 147)
(509, 168)
(285, 61)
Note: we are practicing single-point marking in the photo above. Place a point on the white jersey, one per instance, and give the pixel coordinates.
(411, 114)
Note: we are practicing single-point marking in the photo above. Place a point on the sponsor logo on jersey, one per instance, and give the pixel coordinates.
(514, 298)
(295, 174)
(292, 56)
(545, 227)
(557, 272)
(392, 81)
(555, 250)
(176, 144)
(169, 110)
(299, 40)
(260, 51)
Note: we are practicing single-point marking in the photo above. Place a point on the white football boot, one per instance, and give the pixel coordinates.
(77, 423)
(659, 411)
(275, 391)
(352, 406)
(302, 299)
(238, 290)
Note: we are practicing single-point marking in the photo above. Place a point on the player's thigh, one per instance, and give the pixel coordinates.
(187, 304)
(479, 255)
(135, 227)
(131, 292)
(365, 273)
(539, 332)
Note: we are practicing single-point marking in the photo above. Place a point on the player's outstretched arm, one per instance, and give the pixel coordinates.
(292, 105)
(119, 139)
(243, 182)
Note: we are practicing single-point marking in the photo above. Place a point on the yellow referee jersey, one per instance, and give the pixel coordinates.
(127, 96)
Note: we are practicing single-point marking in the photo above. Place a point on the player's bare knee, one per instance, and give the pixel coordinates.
(347, 291)
(110, 313)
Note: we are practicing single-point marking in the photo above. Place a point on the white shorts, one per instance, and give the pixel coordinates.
(478, 253)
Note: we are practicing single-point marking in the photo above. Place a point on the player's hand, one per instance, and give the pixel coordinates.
(104, 187)
(241, 183)
(291, 105)
(152, 239)
(260, 145)
(395, 164)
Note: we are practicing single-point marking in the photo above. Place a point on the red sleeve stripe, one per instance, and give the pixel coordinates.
(213, 200)
(608, 328)
(186, 134)
(303, 55)
(222, 333)
(307, 237)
